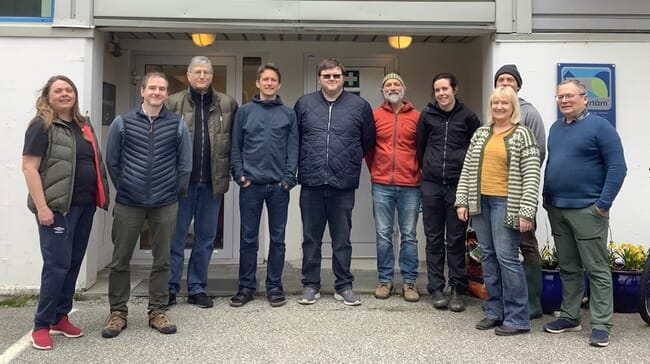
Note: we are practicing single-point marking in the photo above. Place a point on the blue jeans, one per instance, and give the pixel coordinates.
(63, 246)
(502, 272)
(200, 205)
(385, 199)
(251, 199)
(319, 206)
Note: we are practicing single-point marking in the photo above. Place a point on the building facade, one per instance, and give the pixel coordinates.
(106, 46)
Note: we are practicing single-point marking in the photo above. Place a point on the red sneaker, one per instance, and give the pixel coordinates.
(66, 328)
(41, 339)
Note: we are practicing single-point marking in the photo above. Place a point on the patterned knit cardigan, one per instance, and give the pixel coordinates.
(523, 174)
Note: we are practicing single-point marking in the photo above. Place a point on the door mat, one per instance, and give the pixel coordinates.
(217, 287)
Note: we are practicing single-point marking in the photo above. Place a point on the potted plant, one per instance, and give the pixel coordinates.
(626, 263)
(551, 282)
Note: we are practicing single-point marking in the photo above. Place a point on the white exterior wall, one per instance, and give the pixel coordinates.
(32, 60)
(537, 60)
(29, 62)
(417, 65)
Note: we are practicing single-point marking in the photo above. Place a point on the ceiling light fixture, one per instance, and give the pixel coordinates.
(400, 41)
(202, 39)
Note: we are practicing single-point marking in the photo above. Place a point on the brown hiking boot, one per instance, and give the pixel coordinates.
(159, 321)
(114, 324)
(410, 292)
(384, 290)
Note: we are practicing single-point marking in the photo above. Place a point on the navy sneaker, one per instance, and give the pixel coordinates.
(561, 325)
(599, 338)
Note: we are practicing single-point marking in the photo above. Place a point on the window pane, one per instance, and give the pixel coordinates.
(250, 75)
(26, 8)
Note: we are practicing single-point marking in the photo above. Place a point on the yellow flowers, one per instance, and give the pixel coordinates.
(549, 257)
(626, 256)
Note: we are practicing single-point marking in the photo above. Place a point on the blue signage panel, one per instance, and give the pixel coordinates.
(599, 79)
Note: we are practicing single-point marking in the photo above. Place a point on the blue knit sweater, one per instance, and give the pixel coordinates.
(585, 163)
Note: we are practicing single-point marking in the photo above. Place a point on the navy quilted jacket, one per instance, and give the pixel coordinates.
(334, 138)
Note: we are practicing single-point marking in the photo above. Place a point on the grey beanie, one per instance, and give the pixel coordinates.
(510, 69)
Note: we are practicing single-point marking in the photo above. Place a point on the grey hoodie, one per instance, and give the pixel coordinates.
(533, 120)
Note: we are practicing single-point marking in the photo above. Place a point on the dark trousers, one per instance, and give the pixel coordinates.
(441, 223)
(319, 206)
(63, 246)
(127, 225)
(251, 200)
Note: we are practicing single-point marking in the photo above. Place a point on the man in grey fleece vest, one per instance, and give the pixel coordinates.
(508, 75)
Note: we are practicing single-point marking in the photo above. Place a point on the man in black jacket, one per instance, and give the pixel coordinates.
(336, 130)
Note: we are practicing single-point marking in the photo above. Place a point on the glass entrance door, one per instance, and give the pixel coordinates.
(224, 80)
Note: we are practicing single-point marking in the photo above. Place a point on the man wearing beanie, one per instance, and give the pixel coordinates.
(395, 175)
(508, 75)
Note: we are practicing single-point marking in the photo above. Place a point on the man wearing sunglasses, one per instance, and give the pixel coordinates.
(336, 130)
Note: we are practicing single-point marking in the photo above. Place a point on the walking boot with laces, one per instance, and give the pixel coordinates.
(158, 320)
(410, 292)
(383, 290)
(114, 324)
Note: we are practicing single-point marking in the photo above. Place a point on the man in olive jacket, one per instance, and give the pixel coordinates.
(209, 116)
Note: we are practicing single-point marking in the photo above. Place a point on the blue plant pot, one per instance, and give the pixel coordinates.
(551, 291)
(626, 291)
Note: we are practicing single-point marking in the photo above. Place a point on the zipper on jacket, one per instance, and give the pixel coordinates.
(203, 125)
(392, 175)
(444, 148)
(327, 142)
(150, 169)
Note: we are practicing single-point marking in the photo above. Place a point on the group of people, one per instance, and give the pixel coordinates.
(171, 160)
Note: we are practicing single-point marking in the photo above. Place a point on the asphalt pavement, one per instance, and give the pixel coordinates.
(378, 331)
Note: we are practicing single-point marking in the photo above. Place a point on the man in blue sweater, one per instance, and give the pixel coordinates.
(264, 159)
(584, 172)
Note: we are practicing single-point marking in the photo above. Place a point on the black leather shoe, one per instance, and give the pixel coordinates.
(536, 315)
(504, 330)
(172, 300)
(440, 301)
(488, 323)
(200, 300)
(456, 303)
(242, 297)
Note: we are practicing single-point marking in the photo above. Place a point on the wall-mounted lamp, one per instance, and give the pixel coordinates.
(400, 41)
(202, 39)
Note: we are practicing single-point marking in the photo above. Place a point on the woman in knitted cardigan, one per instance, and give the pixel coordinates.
(498, 187)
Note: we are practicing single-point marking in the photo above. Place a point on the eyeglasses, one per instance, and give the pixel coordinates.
(335, 76)
(201, 72)
(567, 96)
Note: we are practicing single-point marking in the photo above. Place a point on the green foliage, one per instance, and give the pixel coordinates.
(19, 301)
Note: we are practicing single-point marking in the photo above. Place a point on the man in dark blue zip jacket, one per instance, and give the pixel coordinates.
(336, 130)
(264, 158)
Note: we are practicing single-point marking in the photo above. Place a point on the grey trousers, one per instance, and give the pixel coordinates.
(581, 241)
(127, 225)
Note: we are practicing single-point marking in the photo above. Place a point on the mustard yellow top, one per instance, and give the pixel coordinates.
(494, 170)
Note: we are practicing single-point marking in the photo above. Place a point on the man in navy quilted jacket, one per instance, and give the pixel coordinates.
(336, 130)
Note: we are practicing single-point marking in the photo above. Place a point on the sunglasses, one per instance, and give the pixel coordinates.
(335, 76)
